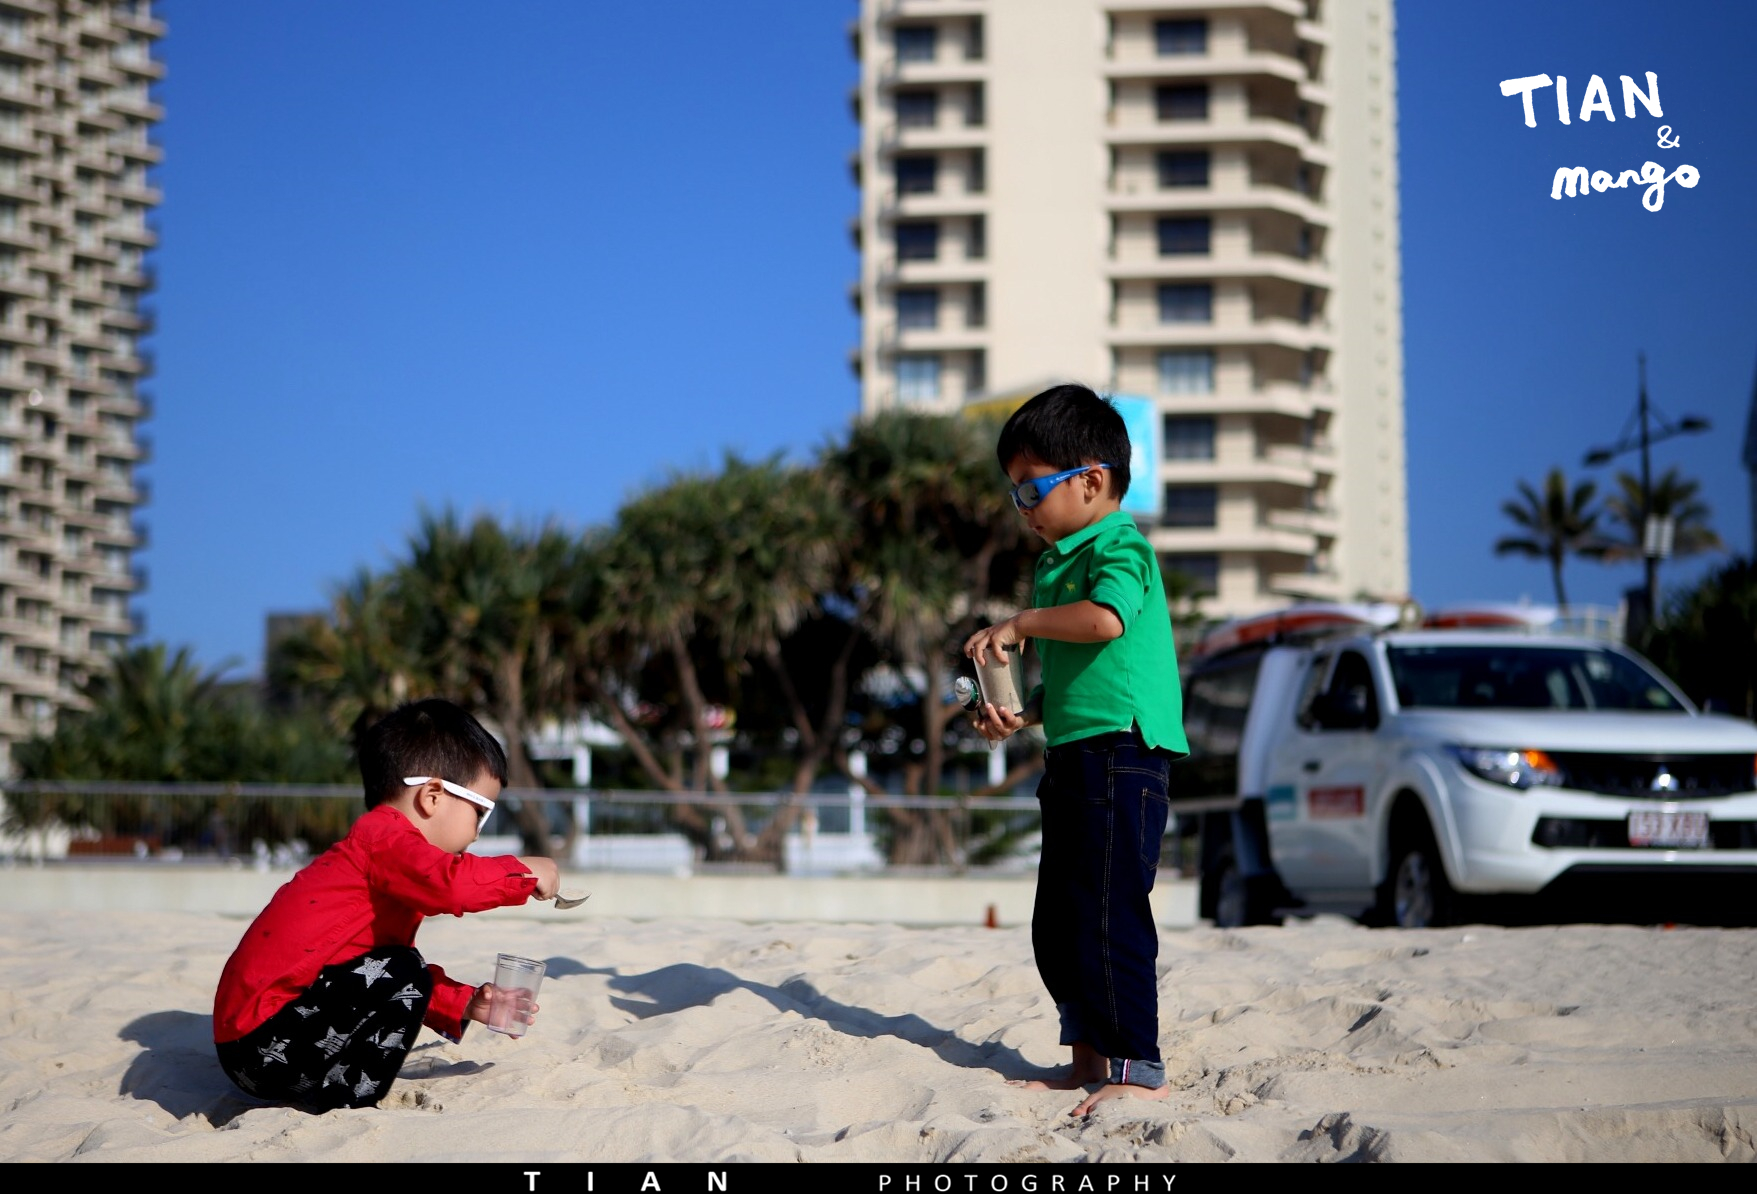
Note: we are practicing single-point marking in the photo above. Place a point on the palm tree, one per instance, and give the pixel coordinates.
(1672, 496)
(1558, 523)
(154, 716)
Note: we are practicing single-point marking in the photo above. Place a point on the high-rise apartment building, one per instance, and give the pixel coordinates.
(1192, 206)
(76, 115)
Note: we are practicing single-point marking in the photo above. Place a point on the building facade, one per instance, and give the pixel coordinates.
(1190, 204)
(76, 149)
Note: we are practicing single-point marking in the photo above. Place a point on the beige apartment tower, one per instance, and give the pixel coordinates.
(76, 114)
(1192, 206)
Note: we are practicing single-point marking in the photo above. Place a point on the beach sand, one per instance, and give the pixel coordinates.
(706, 1041)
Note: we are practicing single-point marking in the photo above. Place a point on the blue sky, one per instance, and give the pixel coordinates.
(530, 258)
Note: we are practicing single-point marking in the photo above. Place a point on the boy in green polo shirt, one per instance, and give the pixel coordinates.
(1112, 713)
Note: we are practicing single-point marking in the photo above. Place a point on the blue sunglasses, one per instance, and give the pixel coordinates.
(1027, 494)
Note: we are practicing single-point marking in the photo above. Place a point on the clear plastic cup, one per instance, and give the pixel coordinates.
(515, 993)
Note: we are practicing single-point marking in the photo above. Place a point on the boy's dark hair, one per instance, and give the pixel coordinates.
(1067, 426)
(431, 737)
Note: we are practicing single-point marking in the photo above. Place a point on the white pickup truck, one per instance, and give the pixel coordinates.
(1394, 774)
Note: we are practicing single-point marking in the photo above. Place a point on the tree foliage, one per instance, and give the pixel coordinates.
(769, 589)
(1708, 643)
(1559, 522)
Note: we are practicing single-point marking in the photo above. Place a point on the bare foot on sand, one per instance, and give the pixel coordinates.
(1088, 1067)
(1115, 1090)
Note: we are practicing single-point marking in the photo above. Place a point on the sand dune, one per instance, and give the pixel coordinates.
(710, 1041)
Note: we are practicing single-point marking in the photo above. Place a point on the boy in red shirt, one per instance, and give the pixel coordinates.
(324, 995)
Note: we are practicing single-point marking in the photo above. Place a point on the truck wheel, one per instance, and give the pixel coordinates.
(1231, 897)
(1238, 901)
(1416, 894)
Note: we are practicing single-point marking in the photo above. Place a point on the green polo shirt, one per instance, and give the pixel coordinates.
(1101, 688)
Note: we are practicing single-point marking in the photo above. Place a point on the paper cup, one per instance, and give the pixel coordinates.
(515, 993)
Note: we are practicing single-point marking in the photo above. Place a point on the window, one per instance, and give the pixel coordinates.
(1180, 37)
(1201, 572)
(1189, 437)
(918, 308)
(918, 378)
(1186, 371)
(1184, 234)
(917, 174)
(918, 240)
(1181, 101)
(1186, 302)
(918, 109)
(916, 43)
(1183, 168)
(1190, 505)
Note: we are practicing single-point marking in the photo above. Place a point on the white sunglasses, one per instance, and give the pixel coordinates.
(476, 798)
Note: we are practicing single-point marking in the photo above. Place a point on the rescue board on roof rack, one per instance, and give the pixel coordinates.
(1300, 622)
(1492, 616)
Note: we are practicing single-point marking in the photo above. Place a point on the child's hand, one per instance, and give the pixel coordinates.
(996, 725)
(483, 999)
(547, 875)
(996, 638)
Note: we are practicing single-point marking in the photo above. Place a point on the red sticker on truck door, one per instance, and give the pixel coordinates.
(1322, 803)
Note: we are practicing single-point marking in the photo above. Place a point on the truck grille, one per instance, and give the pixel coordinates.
(1634, 776)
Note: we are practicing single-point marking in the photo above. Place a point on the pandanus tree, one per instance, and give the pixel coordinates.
(938, 549)
(489, 613)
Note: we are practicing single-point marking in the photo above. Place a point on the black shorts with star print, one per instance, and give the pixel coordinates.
(341, 1043)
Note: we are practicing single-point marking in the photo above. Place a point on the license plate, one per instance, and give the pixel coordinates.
(1672, 830)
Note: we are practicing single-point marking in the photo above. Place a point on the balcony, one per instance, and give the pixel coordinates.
(1143, 329)
(889, 271)
(1319, 586)
(950, 134)
(1242, 470)
(1257, 538)
(1234, 63)
(1143, 264)
(949, 337)
(1240, 130)
(1319, 523)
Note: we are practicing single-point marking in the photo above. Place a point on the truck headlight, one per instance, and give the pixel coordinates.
(1514, 768)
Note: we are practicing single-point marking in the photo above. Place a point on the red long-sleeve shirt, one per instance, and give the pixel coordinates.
(370, 889)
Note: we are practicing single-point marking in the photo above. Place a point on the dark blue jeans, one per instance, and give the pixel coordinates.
(1105, 805)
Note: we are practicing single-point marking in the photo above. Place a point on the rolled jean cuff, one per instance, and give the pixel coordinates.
(1124, 1072)
(1073, 1028)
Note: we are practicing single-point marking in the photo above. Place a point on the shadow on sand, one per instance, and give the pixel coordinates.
(177, 1068)
(685, 985)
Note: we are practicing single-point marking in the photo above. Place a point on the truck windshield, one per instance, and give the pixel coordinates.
(1535, 677)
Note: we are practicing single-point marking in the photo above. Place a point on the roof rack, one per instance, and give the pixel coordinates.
(1586, 621)
(1306, 622)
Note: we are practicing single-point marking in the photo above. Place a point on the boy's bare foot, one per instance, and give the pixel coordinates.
(1088, 1067)
(1117, 1090)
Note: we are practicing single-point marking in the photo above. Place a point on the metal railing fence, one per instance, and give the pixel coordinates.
(48, 821)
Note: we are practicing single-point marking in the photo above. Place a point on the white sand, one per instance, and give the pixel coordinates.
(705, 1041)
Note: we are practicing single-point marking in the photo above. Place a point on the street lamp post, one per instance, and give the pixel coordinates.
(1656, 532)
